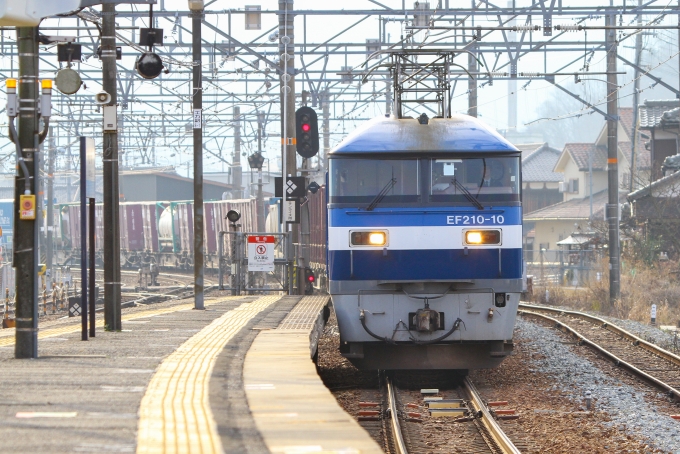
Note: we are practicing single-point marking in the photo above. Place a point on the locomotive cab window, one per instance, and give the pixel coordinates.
(366, 180)
(493, 179)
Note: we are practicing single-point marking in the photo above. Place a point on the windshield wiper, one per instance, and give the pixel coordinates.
(473, 200)
(381, 195)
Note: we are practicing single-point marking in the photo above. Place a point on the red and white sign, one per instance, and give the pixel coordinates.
(261, 252)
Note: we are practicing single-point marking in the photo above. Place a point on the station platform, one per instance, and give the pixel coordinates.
(236, 378)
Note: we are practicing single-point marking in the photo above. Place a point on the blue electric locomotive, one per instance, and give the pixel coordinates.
(425, 243)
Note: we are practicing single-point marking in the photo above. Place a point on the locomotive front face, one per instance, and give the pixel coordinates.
(425, 257)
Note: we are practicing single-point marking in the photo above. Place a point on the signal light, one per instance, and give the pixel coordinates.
(306, 132)
(310, 278)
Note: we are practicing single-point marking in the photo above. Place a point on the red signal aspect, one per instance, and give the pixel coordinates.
(306, 127)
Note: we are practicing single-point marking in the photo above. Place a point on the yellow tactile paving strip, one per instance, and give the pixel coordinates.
(175, 415)
(72, 328)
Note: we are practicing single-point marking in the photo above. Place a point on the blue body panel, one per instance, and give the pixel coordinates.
(430, 216)
(459, 134)
(451, 264)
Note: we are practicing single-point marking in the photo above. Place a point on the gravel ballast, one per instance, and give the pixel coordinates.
(628, 408)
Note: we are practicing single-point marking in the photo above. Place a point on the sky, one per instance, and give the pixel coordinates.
(542, 108)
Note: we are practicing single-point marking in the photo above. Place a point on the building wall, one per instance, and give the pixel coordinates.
(548, 233)
(539, 195)
(149, 188)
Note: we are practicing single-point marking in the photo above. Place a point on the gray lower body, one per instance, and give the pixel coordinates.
(431, 325)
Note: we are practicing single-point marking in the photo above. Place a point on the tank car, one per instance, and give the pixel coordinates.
(425, 243)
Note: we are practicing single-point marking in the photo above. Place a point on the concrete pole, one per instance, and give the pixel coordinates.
(512, 83)
(26, 232)
(260, 196)
(112, 308)
(612, 161)
(388, 97)
(472, 82)
(197, 50)
(289, 157)
(50, 207)
(636, 99)
(237, 171)
(326, 128)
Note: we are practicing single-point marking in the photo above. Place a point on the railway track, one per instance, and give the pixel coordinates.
(483, 435)
(644, 359)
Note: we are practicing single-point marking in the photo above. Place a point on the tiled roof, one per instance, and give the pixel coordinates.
(579, 152)
(671, 118)
(661, 182)
(574, 209)
(539, 165)
(652, 111)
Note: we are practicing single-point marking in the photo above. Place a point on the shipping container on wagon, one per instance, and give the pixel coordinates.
(132, 227)
(184, 225)
(6, 221)
(139, 226)
(216, 222)
(150, 216)
(67, 226)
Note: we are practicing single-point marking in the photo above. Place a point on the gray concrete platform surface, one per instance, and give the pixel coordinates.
(84, 396)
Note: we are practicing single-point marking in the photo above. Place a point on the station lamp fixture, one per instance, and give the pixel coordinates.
(233, 216)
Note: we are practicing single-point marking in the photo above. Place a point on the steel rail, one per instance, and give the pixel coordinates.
(665, 354)
(397, 436)
(492, 427)
(672, 392)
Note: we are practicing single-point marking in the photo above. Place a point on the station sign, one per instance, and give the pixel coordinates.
(261, 252)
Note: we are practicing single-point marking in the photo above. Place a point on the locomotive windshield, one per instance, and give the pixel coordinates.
(428, 181)
(361, 180)
(486, 179)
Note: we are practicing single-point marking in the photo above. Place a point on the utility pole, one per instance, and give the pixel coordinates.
(237, 171)
(289, 157)
(472, 81)
(388, 97)
(636, 99)
(112, 308)
(25, 231)
(612, 162)
(50, 207)
(197, 50)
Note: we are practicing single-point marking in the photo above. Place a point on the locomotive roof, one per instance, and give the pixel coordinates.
(461, 133)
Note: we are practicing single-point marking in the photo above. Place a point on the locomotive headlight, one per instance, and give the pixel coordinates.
(376, 238)
(475, 237)
(368, 238)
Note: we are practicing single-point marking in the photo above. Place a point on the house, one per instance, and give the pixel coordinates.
(585, 172)
(557, 222)
(540, 183)
(660, 118)
(655, 210)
